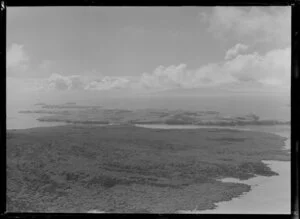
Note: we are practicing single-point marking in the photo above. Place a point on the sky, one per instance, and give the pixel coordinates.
(77, 51)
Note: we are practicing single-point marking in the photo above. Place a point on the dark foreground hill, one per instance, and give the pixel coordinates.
(132, 169)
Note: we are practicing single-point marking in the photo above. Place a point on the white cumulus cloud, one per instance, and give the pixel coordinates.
(77, 82)
(181, 77)
(108, 83)
(232, 52)
(166, 77)
(59, 82)
(271, 68)
(274, 67)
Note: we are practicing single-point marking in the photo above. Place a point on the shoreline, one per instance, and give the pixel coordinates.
(260, 199)
(254, 201)
(154, 126)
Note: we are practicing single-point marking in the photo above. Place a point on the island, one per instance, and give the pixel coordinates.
(90, 115)
(128, 169)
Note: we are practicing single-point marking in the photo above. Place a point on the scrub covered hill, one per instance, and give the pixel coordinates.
(132, 169)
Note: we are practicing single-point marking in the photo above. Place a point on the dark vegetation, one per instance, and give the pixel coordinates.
(130, 169)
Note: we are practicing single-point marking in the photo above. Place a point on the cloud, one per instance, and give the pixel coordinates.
(180, 77)
(19, 64)
(77, 82)
(108, 83)
(17, 59)
(59, 82)
(232, 52)
(272, 68)
(261, 24)
(166, 77)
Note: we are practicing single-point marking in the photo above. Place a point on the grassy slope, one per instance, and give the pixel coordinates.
(131, 169)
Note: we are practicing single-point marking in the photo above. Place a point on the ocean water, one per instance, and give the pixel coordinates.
(16, 120)
(267, 107)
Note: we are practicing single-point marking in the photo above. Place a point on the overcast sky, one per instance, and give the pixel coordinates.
(102, 49)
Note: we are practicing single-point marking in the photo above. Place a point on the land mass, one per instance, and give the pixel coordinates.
(128, 169)
(154, 116)
(69, 105)
(64, 112)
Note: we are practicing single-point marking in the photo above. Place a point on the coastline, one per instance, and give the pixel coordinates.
(264, 190)
(260, 199)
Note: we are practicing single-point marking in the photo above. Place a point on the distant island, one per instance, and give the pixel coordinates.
(69, 105)
(76, 114)
(45, 112)
(39, 104)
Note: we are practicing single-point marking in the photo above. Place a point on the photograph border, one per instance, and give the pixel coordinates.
(295, 97)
